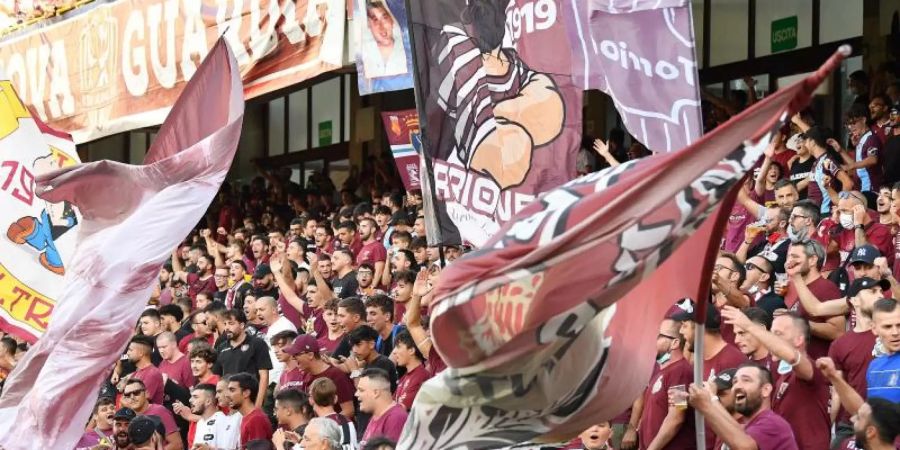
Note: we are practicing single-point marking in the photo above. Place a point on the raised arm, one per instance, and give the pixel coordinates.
(811, 303)
(782, 350)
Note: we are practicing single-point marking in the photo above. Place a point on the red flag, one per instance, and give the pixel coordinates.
(551, 326)
(132, 218)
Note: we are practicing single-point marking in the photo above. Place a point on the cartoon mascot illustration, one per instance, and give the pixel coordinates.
(502, 109)
(55, 219)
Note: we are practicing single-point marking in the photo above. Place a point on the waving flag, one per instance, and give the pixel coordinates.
(550, 327)
(641, 53)
(499, 112)
(133, 216)
(40, 236)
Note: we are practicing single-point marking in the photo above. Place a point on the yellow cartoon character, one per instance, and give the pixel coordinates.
(55, 219)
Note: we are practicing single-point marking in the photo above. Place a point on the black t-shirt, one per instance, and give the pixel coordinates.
(263, 292)
(345, 286)
(220, 296)
(800, 171)
(777, 255)
(250, 356)
(343, 348)
(890, 160)
(770, 302)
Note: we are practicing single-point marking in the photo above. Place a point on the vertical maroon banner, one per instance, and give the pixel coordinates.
(402, 129)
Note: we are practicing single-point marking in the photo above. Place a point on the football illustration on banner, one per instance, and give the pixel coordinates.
(40, 236)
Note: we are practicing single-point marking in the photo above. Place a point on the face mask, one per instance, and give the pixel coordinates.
(784, 367)
(847, 221)
(664, 358)
(796, 236)
(753, 289)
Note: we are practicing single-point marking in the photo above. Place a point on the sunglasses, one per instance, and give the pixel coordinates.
(751, 266)
(132, 393)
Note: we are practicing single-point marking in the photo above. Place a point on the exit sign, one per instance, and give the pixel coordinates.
(784, 34)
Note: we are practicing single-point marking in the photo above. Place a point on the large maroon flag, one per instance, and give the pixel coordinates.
(133, 216)
(641, 53)
(550, 327)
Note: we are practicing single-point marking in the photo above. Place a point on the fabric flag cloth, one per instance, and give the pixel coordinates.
(500, 114)
(133, 216)
(551, 326)
(641, 53)
(40, 236)
(402, 129)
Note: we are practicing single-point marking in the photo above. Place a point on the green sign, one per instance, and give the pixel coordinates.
(784, 34)
(324, 133)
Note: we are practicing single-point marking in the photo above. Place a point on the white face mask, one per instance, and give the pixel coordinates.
(664, 358)
(847, 221)
(784, 368)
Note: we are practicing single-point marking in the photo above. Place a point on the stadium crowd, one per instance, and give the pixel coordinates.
(298, 317)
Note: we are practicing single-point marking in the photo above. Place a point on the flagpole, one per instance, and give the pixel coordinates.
(699, 329)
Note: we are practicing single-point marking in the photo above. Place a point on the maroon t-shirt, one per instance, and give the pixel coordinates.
(389, 425)
(852, 354)
(255, 426)
(771, 432)
(165, 416)
(329, 345)
(727, 358)
(409, 385)
(804, 405)
(371, 253)
(291, 313)
(153, 381)
(196, 285)
(434, 364)
(824, 290)
(179, 371)
(292, 379)
(345, 388)
(770, 364)
(656, 406)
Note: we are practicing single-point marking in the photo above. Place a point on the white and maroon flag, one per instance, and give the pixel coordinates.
(641, 53)
(551, 326)
(132, 218)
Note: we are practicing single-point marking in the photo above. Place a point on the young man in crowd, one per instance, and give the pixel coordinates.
(374, 394)
(761, 427)
(323, 397)
(334, 332)
(372, 250)
(664, 426)
(293, 410)
(759, 284)
(305, 350)
(801, 394)
(175, 365)
(805, 261)
(214, 429)
(202, 361)
(407, 356)
(134, 396)
(366, 286)
(101, 424)
(139, 350)
(121, 420)
(243, 353)
(244, 396)
(402, 293)
(200, 330)
(275, 323)
(170, 319)
(220, 276)
(877, 425)
(264, 282)
(380, 316)
(240, 287)
(345, 284)
(202, 281)
(718, 355)
(750, 346)
(351, 314)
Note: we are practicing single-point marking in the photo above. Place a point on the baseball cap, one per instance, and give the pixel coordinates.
(141, 429)
(863, 283)
(262, 270)
(125, 414)
(302, 344)
(864, 254)
(712, 321)
(725, 380)
(818, 135)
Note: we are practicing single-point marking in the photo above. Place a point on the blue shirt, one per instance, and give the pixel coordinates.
(883, 378)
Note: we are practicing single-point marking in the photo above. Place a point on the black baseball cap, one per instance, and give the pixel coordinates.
(863, 283)
(725, 380)
(125, 414)
(864, 254)
(713, 319)
(818, 135)
(141, 429)
(262, 270)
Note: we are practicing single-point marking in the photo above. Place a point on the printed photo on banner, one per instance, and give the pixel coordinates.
(383, 57)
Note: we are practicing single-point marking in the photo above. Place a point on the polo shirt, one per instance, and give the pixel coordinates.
(883, 378)
(251, 356)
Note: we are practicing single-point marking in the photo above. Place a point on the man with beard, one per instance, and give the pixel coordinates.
(245, 399)
(214, 430)
(401, 259)
(243, 353)
(240, 286)
(773, 244)
(801, 393)
(372, 250)
(139, 350)
(760, 427)
(402, 293)
(876, 425)
(264, 282)
(348, 238)
(201, 330)
(718, 355)
(202, 280)
(663, 425)
(803, 268)
(259, 248)
(121, 420)
(786, 196)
